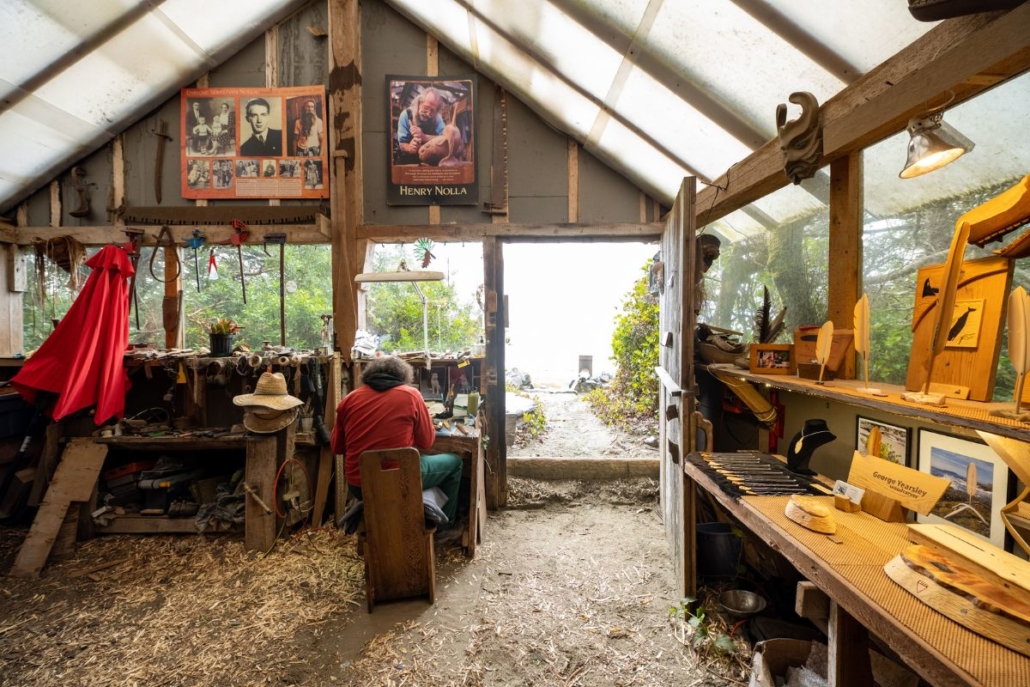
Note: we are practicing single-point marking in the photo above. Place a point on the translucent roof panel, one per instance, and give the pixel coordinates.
(736, 60)
(665, 90)
(77, 74)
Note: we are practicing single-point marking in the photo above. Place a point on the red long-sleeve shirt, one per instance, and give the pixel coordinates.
(369, 420)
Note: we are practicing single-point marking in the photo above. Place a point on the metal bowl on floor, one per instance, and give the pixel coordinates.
(739, 603)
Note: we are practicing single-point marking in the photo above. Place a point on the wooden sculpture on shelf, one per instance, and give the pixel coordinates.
(1019, 349)
(862, 342)
(1000, 215)
(810, 514)
(942, 318)
(822, 347)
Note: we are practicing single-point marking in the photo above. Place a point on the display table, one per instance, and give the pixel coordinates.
(851, 574)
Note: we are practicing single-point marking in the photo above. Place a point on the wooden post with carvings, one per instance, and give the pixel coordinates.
(493, 374)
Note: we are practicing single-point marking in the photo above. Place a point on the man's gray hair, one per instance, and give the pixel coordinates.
(390, 365)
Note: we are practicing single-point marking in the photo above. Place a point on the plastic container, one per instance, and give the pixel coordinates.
(718, 550)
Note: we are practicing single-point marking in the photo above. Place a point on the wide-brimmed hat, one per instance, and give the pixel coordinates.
(268, 421)
(270, 392)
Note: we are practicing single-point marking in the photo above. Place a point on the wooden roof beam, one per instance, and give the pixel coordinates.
(965, 56)
(570, 233)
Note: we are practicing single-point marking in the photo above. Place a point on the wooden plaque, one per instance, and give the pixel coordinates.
(913, 489)
(970, 359)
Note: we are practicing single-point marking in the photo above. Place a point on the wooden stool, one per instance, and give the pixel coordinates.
(398, 548)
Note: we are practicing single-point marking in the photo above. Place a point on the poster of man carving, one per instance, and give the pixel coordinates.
(432, 140)
(253, 142)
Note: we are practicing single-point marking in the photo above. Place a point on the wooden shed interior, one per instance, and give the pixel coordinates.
(568, 149)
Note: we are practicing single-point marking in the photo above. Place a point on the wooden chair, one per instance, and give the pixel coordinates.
(397, 546)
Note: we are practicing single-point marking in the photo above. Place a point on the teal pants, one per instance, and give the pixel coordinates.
(441, 470)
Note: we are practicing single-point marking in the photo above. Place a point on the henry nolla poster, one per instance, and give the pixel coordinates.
(432, 140)
(254, 143)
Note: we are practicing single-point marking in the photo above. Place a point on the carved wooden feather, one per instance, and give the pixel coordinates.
(823, 342)
(971, 480)
(862, 333)
(1019, 350)
(946, 297)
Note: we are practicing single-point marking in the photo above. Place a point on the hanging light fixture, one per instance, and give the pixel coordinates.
(933, 143)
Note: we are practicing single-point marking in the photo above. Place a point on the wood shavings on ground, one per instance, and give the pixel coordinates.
(576, 593)
(178, 611)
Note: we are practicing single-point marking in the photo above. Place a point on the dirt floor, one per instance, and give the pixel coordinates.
(571, 585)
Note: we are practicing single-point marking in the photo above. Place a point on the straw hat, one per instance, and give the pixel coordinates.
(270, 392)
(268, 421)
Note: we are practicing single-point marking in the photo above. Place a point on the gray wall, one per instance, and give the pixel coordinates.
(537, 154)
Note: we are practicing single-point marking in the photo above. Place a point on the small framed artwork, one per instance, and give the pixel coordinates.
(882, 439)
(431, 383)
(979, 484)
(772, 359)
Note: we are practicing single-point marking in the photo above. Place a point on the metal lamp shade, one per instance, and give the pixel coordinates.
(933, 144)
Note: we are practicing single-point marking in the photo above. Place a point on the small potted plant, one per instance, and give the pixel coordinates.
(222, 334)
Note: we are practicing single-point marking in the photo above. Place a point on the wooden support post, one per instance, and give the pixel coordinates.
(499, 163)
(118, 178)
(272, 70)
(573, 146)
(848, 649)
(493, 373)
(845, 271)
(262, 463)
(55, 203)
(47, 462)
(813, 604)
(346, 197)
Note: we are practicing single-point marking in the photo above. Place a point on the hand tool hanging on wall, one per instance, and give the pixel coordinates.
(280, 239)
(314, 384)
(132, 248)
(196, 242)
(237, 239)
(162, 136)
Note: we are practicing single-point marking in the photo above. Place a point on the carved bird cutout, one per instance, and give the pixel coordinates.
(929, 291)
(960, 323)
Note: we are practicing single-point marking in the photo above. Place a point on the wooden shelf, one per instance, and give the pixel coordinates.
(173, 443)
(968, 414)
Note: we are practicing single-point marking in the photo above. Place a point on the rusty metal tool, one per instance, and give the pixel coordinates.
(162, 136)
(196, 242)
(239, 236)
(280, 239)
(132, 248)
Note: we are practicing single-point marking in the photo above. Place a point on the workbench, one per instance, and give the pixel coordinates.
(863, 599)
(470, 448)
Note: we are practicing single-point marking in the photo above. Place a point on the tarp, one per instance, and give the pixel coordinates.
(81, 360)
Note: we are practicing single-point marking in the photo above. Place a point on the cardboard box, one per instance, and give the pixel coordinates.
(772, 658)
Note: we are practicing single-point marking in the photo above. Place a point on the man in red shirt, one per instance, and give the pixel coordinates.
(387, 412)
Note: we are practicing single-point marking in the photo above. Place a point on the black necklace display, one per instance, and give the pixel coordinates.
(814, 434)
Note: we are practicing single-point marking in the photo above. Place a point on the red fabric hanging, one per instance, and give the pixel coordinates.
(82, 359)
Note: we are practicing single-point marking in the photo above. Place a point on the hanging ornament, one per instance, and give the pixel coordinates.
(212, 267)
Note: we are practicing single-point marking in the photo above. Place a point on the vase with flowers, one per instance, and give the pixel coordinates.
(222, 335)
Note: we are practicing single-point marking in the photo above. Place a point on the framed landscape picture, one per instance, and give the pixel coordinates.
(888, 441)
(979, 484)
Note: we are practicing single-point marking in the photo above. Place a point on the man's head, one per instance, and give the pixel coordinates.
(309, 106)
(389, 365)
(429, 105)
(258, 110)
